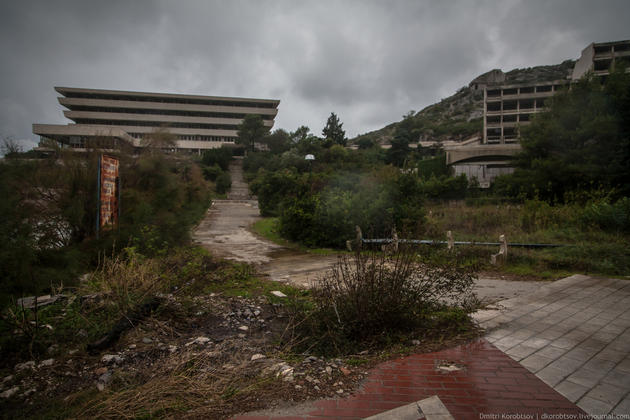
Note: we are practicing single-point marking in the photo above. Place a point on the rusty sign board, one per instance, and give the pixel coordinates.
(108, 192)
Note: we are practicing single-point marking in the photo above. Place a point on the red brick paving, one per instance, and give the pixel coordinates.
(490, 383)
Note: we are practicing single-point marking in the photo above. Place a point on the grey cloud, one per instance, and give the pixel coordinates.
(369, 61)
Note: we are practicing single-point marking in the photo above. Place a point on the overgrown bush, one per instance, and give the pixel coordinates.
(220, 157)
(370, 298)
(609, 217)
(223, 183)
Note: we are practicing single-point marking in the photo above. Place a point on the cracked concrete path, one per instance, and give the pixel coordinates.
(574, 334)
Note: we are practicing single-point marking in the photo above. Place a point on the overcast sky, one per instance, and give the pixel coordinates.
(370, 62)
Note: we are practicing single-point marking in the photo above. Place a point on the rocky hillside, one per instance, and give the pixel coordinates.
(459, 116)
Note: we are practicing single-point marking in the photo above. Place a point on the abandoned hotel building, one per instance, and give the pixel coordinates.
(115, 117)
(507, 107)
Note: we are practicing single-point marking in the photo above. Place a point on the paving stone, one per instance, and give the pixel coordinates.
(550, 375)
(551, 334)
(624, 365)
(564, 343)
(566, 364)
(507, 342)
(608, 393)
(623, 408)
(612, 355)
(618, 378)
(586, 377)
(535, 362)
(580, 354)
(551, 352)
(594, 407)
(599, 364)
(522, 334)
(571, 391)
(537, 343)
(520, 351)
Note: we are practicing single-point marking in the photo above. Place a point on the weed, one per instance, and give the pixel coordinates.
(373, 298)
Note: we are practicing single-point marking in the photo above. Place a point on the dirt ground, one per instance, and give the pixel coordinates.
(225, 233)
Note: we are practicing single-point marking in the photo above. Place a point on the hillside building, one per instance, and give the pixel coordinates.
(105, 118)
(601, 58)
(508, 107)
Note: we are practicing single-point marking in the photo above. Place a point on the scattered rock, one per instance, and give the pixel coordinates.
(101, 371)
(73, 351)
(112, 358)
(201, 341)
(345, 371)
(243, 328)
(258, 356)
(7, 379)
(172, 348)
(29, 392)
(47, 362)
(147, 340)
(278, 293)
(340, 391)
(132, 346)
(328, 370)
(103, 381)
(39, 301)
(415, 342)
(298, 387)
(26, 365)
(10, 392)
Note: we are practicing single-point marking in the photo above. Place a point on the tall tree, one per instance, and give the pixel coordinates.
(400, 150)
(251, 131)
(333, 132)
(581, 141)
(278, 141)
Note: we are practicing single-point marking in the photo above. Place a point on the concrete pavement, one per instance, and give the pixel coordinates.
(574, 334)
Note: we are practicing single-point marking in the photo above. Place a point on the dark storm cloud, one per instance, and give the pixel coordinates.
(368, 61)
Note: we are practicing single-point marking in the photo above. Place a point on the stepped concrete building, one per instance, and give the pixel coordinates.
(108, 118)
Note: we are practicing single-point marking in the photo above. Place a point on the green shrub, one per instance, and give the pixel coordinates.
(220, 157)
(223, 183)
(609, 217)
(371, 298)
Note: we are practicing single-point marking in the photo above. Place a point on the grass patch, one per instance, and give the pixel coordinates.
(590, 249)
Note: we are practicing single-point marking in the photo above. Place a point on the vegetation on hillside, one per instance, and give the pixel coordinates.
(459, 116)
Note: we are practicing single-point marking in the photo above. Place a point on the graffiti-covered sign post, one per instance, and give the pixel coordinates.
(108, 193)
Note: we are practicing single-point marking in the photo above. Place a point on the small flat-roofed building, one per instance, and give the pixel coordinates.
(195, 122)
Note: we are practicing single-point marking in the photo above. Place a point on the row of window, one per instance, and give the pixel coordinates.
(497, 119)
(515, 105)
(157, 124)
(158, 99)
(163, 112)
(492, 93)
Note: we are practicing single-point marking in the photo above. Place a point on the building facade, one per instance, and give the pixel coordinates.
(602, 57)
(509, 107)
(194, 122)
